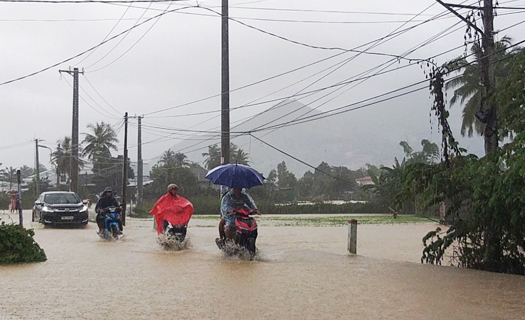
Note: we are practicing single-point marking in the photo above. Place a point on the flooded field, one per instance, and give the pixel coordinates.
(301, 273)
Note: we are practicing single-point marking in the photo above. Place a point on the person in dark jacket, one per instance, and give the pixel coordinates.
(106, 200)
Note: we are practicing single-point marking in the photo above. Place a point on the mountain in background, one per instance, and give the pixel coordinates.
(350, 139)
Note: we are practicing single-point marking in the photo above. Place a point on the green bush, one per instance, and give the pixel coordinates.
(18, 246)
(4, 201)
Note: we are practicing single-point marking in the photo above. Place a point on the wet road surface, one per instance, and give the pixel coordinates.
(301, 273)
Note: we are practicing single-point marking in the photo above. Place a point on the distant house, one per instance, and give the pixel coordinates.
(200, 173)
(367, 180)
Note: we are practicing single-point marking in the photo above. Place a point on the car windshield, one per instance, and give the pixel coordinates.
(61, 198)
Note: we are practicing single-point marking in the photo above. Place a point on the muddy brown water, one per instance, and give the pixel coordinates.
(301, 273)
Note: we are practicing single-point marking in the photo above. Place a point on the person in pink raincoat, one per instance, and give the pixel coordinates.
(172, 208)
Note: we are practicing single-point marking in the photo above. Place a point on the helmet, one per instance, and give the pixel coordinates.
(108, 189)
(173, 186)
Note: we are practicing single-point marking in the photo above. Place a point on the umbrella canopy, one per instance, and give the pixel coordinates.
(235, 176)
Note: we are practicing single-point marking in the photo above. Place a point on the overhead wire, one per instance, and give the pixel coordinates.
(90, 49)
(89, 105)
(122, 39)
(98, 93)
(108, 34)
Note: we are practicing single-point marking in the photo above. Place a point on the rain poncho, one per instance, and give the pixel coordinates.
(176, 210)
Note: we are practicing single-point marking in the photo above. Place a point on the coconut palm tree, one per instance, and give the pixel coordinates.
(182, 160)
(100, 142)
(213, 157)
(468, 88)
(239, 156)
(62, 156)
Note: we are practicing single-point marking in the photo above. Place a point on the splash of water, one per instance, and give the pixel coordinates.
(172, 244)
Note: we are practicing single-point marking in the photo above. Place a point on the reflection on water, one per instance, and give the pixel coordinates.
(301, 273)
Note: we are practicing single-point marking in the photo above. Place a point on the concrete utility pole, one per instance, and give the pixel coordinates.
(225, 88)
(73, 174)
(140, 182)
(489, 80)
(19, 200)
(125, 170)
(37, 169)
(488, 113)
(59, 153)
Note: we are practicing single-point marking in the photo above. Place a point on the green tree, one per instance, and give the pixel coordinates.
(213, 156)
(108, 173)
(240, 157)
(467, 87)
(285, 178)
(485, 196)
(62, 156)
(173, 168)
(100, 142)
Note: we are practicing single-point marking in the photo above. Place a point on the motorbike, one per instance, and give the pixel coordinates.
(244, 237)
(173, 237)
(111, 223)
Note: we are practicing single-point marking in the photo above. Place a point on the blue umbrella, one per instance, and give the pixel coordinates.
(235, 176)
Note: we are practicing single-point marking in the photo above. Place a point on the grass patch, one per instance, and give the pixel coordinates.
(328, 221)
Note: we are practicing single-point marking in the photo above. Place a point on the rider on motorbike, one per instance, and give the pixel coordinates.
(106, 200)
(171, 208)
(233, 200)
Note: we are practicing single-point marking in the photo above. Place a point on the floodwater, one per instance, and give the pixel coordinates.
(301, 273)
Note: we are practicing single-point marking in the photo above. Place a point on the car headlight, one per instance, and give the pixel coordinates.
(47, 209)
(84, 209)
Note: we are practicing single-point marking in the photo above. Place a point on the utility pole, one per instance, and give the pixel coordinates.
(73, 174)
(19, 200)
(125, 170)
(488, 113)
(59, 152)
(225, 88)
(37, 168)
(489, 80)
(140, 182)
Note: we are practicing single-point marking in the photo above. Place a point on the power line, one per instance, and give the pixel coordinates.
(355, 49)
(122, 39)
(90, 49)
(89, 82)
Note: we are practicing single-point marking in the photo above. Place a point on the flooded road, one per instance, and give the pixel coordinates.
(301, 273)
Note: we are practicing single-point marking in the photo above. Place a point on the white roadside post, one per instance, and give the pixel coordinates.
(352, 236)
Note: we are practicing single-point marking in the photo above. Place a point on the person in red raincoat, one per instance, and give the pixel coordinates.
(172, 208)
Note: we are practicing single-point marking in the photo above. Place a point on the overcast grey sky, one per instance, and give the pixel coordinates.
(168, 67)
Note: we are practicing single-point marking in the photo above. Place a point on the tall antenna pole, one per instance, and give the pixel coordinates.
(225, 88)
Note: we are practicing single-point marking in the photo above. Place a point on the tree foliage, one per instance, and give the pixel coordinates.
(173, 168)
(467, 86)
(388, 184)
(213, 156)
(486, 196)
(18, 246)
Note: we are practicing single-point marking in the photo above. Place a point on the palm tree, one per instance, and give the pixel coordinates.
(213, 157)
(181, 160)
(239, 157)
(101, 142)
(468, 86)
(167, 159)
(62, 156)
